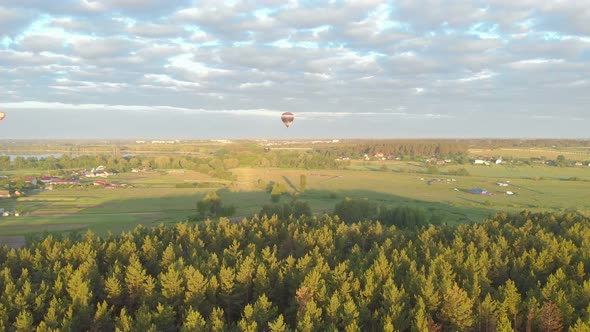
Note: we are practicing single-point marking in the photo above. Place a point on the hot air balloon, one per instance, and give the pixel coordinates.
(287, 118)
(2, 116)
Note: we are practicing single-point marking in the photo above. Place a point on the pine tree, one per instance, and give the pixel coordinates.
(196, 287)
(144, 318)
(333, 310)
(278, 325)
(124, 322)
(511, 300)
(504, 323)
(102, 318)
(216, 320)
(3, 317)
(430, 294)
(248, 323)
(264, 311)
(137, 282)
(194, 322)
(394, 303)
(24, 322)
(420, 320)
(165, 318)
(551, 318)
(309, 317)
(350, 314)
(172, 286)
(488, 314)
(113, 290)
(580, 326)
(457, 309)
(168, 257)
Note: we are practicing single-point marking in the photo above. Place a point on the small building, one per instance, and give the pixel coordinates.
(5, 194)
(481, 162)
(31, 180)
(46, 179)
(64, 182)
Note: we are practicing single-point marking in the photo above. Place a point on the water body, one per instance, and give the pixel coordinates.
(26, 156)
(13, 156)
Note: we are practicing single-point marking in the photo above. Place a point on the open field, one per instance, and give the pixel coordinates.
(572, 153)
(153, 199)
(161, 196)
(532, 191)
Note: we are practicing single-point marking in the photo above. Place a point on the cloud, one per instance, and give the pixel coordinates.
(157, 30)
(42, 43)
(347, 60)
(14, 20)
(93, 48)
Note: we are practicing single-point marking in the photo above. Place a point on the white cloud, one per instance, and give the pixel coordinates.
(341, 59)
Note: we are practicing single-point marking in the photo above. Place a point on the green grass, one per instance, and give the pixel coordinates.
(155, 199)
(571, 153)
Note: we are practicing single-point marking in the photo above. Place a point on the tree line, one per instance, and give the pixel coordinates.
(521, 272)
(396, 148)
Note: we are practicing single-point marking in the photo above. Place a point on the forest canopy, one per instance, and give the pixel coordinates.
(511, 272)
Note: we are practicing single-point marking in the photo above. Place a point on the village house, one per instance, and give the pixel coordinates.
(109, 185)
(99, 171)
(64, 182)
(5, 194)
(481, 162)
(31, 180)
(47, 179)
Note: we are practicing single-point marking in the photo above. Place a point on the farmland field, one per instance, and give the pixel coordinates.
(569, 153)
(155, 198)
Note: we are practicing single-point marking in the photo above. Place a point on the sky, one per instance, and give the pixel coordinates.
(347, 69)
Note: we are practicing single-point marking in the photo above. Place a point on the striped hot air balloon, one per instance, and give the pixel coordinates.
(287, 118)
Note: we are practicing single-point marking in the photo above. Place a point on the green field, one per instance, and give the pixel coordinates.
(572, 153)
(156, 197)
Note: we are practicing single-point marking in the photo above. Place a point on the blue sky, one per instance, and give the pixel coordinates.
(373, 69)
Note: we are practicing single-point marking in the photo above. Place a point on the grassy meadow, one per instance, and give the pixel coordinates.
(162, 196)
